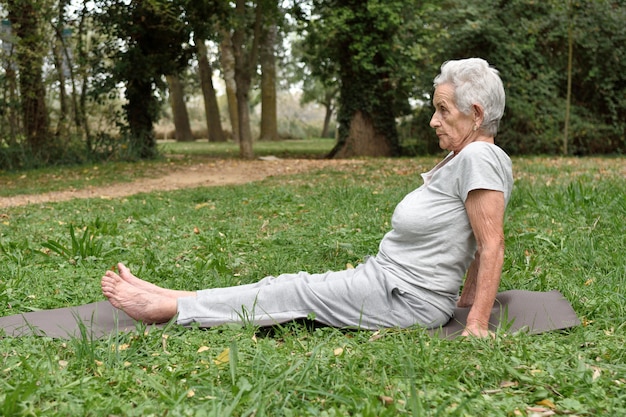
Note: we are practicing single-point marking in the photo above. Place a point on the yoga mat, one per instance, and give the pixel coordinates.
(514, 310)
(519, 310)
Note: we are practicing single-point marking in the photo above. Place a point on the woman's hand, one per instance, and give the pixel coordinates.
(477, 330)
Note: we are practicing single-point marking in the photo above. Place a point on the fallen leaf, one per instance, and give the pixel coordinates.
(375, 336)
(222, 358)
(547, 403)
(338, 351)
(190, 393)
(164, 338)
(508, 384)
(385, 399)
(491, 391)
(203, 349)
(540, 412)
(596, 372)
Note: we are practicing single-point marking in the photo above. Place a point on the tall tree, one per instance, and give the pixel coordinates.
(314, 91)
(211, 108)
(179, 109)
(9, 84)
(205, 19)
(61, 63)
(153, 35)
(245, 50)
(361, 38)
(227, 60)
(269, 121)
(82, 76)
(25, 18)
(318, 77)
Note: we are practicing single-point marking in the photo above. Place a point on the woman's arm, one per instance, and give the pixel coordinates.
(485, 209)
(469, 286)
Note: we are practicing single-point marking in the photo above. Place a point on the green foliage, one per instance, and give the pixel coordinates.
(360, 44)
(527, 42)
(153, 37)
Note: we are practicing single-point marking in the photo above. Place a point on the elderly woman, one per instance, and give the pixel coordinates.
(449, 228)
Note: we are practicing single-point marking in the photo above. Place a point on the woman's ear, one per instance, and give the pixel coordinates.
(479, 115)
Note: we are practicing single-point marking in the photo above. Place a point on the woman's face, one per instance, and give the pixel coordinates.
(454, 128)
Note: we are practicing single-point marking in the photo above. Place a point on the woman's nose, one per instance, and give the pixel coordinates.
(434, 121)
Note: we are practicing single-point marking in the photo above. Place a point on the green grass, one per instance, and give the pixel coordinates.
(565, 230)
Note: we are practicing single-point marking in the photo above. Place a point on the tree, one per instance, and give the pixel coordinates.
(82, 76)
(179, 109)
(211, 109)
(360, 40)
(318, 78)
(153, 34)
(205, 19)
(245, 42)
(61, 63)
(227, 60)
(314, 91)
(25, 18)
(10, 94)
(269, 123)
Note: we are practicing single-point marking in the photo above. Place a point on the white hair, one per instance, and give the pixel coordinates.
(475, 82)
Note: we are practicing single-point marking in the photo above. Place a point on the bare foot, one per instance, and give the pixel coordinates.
(138, 303)
(139, 283)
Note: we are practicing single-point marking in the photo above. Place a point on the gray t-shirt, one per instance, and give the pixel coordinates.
(431, 244)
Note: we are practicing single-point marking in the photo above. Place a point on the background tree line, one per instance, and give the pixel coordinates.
(86, 79)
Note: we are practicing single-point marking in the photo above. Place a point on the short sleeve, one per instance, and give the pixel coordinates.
(484, 166)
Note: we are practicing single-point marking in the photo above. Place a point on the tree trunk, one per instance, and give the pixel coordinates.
(245, 134)
(10, 96)
(179, 109)
(269, 124)
(211, 109)
(363, 140)
(139, 110)
(228, 70)
(327, 115)
(58, 52)
(30, 52)
(245, 65)
(329, 105)
(80, 99)
(14, 119)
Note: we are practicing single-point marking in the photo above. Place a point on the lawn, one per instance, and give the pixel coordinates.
(565, 230)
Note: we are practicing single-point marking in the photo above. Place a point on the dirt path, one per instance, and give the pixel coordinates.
(221, 172)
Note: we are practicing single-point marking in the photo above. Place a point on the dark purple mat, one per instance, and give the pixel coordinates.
(514, 310)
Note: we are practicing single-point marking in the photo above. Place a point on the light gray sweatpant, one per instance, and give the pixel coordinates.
(363, 297)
